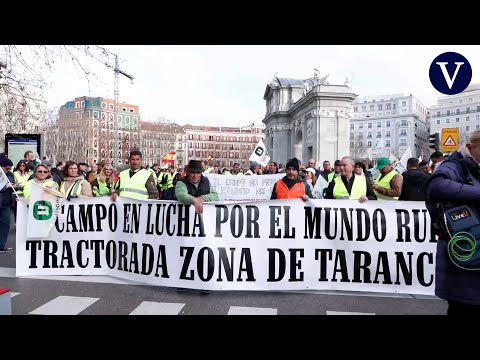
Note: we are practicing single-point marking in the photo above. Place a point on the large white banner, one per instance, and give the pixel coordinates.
(243, 188)
(271, 245)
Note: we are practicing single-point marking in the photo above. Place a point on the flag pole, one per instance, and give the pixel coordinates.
(8, 182)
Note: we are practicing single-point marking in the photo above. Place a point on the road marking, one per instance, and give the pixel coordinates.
(240, 310)
(65, 305)
(12, 294)
(158, 308)
(10, 273)
(347, 313)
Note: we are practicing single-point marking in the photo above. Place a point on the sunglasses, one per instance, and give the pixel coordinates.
(42, 172)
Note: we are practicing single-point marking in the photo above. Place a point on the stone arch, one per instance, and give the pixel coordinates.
(298, 146)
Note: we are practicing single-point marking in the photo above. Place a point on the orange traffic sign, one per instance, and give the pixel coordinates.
(449, 139)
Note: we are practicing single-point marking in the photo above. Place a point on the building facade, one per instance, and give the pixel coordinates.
(223, 145)
(388, 124)
(307, 119)
(158, 139)
(87, 131)
(460, 111)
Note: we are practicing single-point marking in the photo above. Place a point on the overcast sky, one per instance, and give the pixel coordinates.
(224, 85)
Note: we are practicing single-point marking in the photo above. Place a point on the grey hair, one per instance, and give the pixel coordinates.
(352, 162)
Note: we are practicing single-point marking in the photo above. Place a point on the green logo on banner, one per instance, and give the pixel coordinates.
(42, 210)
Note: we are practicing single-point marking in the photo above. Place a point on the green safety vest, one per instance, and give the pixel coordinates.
(21, 180)
(75, 189)
(359, 188)
(134, 187)
(102, 189)
(385, 183)
(330, 176)
(169, 182)
(28, 186)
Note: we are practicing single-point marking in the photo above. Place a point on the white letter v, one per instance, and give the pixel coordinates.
(445, 72)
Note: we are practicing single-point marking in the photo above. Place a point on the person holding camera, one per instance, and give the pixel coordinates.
(455, 182)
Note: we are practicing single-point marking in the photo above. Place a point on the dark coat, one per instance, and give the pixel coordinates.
(447, 185)
(413, 187)
(6, 193)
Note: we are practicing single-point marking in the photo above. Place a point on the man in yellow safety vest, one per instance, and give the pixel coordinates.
(136, 182)
(388, 186)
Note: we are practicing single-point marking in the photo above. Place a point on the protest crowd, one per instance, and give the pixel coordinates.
(386, 179)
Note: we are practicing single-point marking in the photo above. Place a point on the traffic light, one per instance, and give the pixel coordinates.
(435, 141)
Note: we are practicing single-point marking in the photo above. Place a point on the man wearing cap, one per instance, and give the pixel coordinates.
(291, 186)
(195, 189)
(5, 201)
(388, 186)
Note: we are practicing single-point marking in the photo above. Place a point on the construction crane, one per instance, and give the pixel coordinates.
(116, 70)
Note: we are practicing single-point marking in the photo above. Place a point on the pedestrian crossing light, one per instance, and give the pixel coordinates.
(435, 141)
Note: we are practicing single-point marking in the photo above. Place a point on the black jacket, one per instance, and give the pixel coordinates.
(414, 182)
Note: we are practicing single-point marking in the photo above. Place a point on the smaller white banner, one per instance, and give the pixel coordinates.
(243, 188)
(260, 154)
(44, 206)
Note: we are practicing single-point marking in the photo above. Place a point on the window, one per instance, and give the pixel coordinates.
(119, 118)
(127, 119)
(360, 126)
(387, 133)
(369, 144)
(369, 135)
(111, 107)
(404, 123)
(131, 110)
(387, 143)
(95, 114)
(360, 136)
(379, 124)
(404, 103)
(372, 107)
(458, 111)
(364, 108)
(389, 106)
(379, 134)
(394, 106)
(124, 109)
(82, 104)
(457, 119)
(467, 111)
(467, 128)
(104, 116)
(355, 109)
(77, 104)
(477, 127)
(380, 107)
(447, 121)
(438, 122)
(448, 112)
(403, 142)
(134, 120)
(104, 105)
(438, 113)
(351, 144)
(467, 118)
(403, 132)
(369, 125)
(352, 126)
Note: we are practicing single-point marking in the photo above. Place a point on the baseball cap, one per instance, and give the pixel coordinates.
(382, 162)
